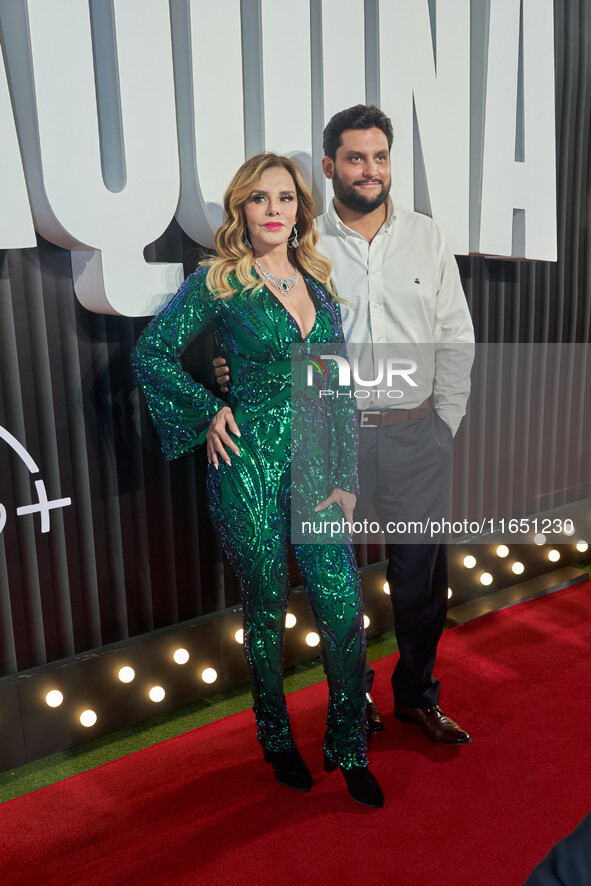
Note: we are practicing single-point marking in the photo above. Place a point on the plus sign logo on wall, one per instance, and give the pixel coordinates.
(43, 506)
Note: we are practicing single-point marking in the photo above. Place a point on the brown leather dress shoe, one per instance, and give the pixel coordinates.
(373, 719)
(434, 723)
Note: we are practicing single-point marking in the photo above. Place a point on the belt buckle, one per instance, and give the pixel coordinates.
(364, 421)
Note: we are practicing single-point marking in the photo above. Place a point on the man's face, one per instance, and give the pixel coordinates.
(360, 172)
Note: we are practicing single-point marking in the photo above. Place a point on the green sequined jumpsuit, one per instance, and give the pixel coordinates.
(249, 500)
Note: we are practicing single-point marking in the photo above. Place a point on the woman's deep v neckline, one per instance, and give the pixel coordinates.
(291, 316)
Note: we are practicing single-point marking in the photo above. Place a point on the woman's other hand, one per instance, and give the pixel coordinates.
(222, 374)
(218, 437)
(345, 501)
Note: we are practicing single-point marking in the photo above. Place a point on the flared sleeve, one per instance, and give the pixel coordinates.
(180, 407)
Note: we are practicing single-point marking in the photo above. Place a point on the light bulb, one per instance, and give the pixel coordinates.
(88, 718)
(582, 546)
(469, 561)
(518, 567)
(386, 588)
(486, 578)
(126, 674)
(54, 698)
(239, 635)
(554, 555)
(290, 620)
(312, 639)
(502, 551)
(157, 693)
(181, 656)
(209, 675)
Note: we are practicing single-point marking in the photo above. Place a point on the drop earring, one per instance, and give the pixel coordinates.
(294, 242)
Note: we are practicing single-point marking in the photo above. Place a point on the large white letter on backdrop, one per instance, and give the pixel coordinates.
(106, 230)
(340, 85)
(16, 221)
(210, 117)
(435, 79)
(511, 186)
(287, 90)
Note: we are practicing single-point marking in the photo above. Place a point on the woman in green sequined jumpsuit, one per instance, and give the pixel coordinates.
(249, 451)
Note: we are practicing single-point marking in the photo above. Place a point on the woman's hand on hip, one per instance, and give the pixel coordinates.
(218, 437)
(345, 501)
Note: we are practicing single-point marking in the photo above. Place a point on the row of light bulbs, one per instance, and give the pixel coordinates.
(517, 567)
(311, 638)
(54, 698)
(502, 551)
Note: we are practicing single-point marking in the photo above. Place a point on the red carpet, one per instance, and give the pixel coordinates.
(204, 808)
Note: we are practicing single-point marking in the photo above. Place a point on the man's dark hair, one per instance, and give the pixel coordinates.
(357, 117)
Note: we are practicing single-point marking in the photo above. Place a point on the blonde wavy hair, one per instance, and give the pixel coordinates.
(233, 262)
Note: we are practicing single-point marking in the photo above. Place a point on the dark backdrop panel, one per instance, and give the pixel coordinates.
(135, 551)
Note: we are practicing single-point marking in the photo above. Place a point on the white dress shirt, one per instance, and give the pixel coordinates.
(403, 292)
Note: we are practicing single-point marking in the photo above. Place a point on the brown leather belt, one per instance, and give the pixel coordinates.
(373, 418)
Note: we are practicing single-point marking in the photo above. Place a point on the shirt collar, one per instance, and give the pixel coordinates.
(348, 232)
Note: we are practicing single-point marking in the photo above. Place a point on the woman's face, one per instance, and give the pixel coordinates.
(271, 210)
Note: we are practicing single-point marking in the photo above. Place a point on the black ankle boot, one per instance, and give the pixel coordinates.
(361, 784)
(290, 769)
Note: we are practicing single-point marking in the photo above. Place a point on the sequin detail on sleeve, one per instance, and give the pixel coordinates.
(180, 407)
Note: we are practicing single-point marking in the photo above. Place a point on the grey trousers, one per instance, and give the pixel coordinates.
(405, 473)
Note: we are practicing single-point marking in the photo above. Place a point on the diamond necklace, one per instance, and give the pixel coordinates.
(283, 284)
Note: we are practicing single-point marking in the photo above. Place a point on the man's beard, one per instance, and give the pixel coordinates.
(355, 201)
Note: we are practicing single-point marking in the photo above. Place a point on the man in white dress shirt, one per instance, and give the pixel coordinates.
(400, 286)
